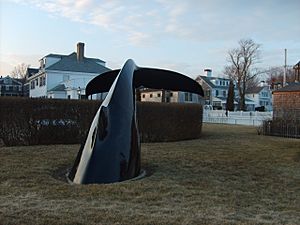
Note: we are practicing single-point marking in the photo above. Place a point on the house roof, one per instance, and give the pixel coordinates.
(60, 87)
(297, 65)
(70, 63)
(32, 71)
(209, 82)
(289, 88)
(254, 90)
(62, 56)
(146, 90)
(55, 55)
(9, 81)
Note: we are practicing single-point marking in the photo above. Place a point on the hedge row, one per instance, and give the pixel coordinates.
(26, 121)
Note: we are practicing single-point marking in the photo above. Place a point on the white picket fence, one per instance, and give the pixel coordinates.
(240, 117)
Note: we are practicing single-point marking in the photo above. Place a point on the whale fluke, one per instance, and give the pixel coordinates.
(148, 78)
(111, 151)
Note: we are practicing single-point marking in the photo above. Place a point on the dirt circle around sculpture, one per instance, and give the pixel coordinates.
(62, 172)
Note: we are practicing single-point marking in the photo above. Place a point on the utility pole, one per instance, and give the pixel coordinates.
(284, 74)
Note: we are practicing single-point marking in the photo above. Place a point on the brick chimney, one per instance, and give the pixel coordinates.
(208, 72)
(80, 51)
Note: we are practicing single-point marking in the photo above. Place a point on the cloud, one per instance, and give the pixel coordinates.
(9, 61)
(196, 20)
(139, 38)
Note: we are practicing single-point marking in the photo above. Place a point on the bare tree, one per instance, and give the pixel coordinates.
(275, 76)
(255, 82)
(242, 59)
(20, 71)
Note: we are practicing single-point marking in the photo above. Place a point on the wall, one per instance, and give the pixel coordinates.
(192, 98)
(38, 91)
(286, 105)
(151, 96)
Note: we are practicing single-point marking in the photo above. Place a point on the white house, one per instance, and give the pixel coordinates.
(216, 91)
(261, 96)
(64, 76)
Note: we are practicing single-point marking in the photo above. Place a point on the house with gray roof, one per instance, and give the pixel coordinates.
(286, 103)
(10, 86)
(64, 76)
(216, 91)
(261, 96)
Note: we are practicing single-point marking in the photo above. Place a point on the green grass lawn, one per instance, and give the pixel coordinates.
(229, 176)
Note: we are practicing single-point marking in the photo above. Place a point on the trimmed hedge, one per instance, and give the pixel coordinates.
(169, 121)
(25, 121)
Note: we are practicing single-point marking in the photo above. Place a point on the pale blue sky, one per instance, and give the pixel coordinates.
(186, 36)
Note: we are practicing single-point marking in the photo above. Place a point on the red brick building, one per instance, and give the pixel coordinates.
(286, 102)
(286, 110)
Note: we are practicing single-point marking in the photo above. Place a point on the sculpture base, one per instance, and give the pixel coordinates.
(142, 174)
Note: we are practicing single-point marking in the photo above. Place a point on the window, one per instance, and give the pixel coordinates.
(224, 93)
(7, 87)
(158, 94)
(143, 96)
(37, 82)
(171, 94)
(264, 94)
(150, 95)
(188, 97)
(217, 93)
(217, 103)
(32, 84)
(207, 93)
(43, 81)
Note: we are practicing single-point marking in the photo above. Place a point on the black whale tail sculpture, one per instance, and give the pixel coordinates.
(111, 152)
